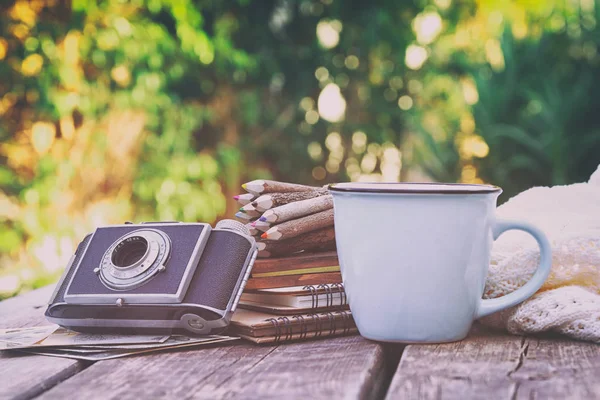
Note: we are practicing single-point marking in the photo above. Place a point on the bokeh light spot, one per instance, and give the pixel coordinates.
(333, 141)
(331, 103)
(352, 62)
(322, 74)
(443, 4)
(415, 56)
(315, 151)
(332, 166)
(319, 173)
(328, 33)
(32, 65)
(42, 136)
(405, 102)
(307, 103)
(427, 26)
(312, 117)
(469, 89)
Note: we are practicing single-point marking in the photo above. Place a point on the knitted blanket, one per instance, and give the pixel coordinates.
(569, 301)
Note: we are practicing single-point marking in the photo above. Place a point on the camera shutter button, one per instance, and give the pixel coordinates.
(119, 302)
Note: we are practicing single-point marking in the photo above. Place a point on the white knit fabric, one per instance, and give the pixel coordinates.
(569, 301)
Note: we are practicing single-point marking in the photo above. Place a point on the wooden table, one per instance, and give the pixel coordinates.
(486, 365)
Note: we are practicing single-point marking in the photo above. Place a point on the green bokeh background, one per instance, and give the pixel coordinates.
(159, 109)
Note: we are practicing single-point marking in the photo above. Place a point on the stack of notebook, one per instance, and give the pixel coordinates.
(293, 298)
(300, 270)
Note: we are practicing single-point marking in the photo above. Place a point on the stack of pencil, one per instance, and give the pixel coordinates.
(295, 289)
(287, 218)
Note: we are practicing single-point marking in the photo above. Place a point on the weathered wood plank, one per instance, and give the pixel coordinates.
(491, 365)
(346, 367)
(25, 376)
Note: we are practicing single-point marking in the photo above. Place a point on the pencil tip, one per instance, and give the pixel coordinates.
(244, 186)
(262, 219)
(264, 235)
(253, 224)
(237, 197)
(242, 210)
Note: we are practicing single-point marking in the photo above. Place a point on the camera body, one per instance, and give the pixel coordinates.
(154, 278)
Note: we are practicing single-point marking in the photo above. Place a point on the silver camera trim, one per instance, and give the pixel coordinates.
(135, 275)
(143, 298)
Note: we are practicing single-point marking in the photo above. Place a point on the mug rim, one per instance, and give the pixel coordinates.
(413, 188)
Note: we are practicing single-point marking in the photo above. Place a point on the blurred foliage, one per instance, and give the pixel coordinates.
(510, 95)
(138, 110)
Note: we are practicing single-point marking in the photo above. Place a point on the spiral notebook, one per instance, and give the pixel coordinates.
(296, 299)
(262, 328)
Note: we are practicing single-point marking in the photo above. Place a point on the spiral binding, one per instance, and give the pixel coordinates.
(285, 328)
(330, 291)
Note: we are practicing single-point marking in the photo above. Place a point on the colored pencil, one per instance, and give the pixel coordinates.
(261, 225)
(321, 240)
(244, 199)
(295, 227)
(297, 209)
(253, 230)
(243, 216)
(271, 200)
(260, 186)
(250, 210)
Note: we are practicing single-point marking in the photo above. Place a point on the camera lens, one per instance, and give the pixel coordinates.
(134, 259)
(129, 251)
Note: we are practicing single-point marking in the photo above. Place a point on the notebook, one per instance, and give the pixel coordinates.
(292, 280)
(296, 299)
(261, 327)
(296, 265)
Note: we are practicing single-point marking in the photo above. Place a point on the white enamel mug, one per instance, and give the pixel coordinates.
(414, 257)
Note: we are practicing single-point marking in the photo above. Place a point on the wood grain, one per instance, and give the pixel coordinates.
(297, 209)
(293, 280)
(25, 376)
(487, 365)
(296, 227)
(346, 367)
(490, 365)
(290, 263)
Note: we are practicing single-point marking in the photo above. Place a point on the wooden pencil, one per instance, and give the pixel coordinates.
(250, 210)
(271, 200)
(297, 209)
(253, 231)
(243, 216)
(244, 199)
(260, 186)
(295, 227)
(261, 225)
(321, 239)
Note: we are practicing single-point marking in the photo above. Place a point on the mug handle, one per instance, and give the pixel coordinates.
(490, 306)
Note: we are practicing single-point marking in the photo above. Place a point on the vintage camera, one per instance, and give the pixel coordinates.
(155, 277)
